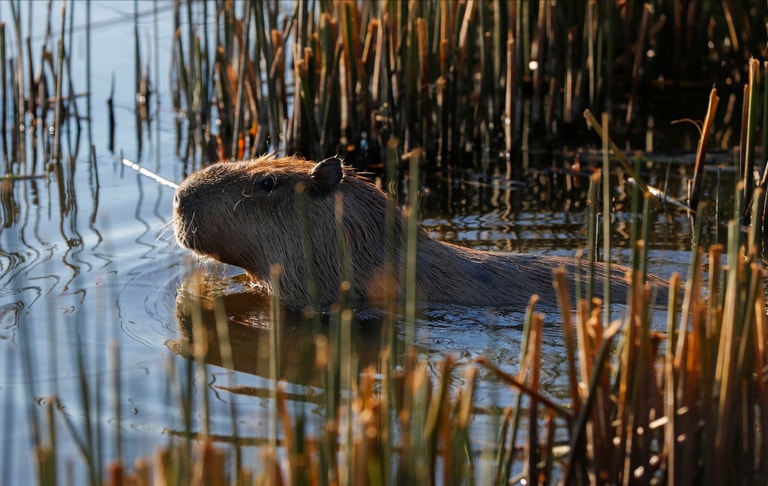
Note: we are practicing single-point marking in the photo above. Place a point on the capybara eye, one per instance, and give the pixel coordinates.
(266, 183)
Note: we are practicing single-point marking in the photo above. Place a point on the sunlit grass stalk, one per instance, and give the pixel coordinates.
(635, 228)
(274, 342)
(46, 455)
(592, 229)
(606, 195)
(227, 360)
(533, 365)
(701, 150)
(411, 252)
(390, 357)
(642, 253)
(199, 351)
(437, 417)
(750, 132)
(560, 284)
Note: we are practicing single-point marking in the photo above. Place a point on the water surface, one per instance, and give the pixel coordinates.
(91, 281)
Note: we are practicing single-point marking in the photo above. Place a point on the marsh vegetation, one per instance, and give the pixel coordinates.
(123, 362)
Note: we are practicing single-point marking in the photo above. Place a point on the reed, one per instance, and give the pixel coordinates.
(453, 79)
(37, 119)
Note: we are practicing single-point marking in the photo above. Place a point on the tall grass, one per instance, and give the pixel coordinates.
(460, 80)
(38, 96)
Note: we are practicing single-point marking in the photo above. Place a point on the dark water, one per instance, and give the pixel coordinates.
(89, 270)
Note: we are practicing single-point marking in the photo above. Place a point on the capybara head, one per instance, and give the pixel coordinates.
(264, 212)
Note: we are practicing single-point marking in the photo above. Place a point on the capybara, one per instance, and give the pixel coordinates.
(249, 214)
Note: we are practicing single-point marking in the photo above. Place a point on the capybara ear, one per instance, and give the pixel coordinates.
(327, 174)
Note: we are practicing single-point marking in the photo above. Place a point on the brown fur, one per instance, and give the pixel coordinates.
(231, 212)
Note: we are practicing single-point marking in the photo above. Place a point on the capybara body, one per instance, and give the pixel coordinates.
(250, 214)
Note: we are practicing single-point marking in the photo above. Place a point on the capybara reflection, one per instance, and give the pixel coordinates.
(247, 344)
(250, 214)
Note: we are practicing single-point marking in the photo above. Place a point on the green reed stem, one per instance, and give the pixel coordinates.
(394, 246)
(411, 249)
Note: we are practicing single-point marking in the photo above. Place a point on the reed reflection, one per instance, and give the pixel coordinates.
(214, 321)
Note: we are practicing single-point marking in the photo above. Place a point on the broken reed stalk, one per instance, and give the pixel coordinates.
(701, 150)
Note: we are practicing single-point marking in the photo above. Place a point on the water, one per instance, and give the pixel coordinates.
(90, 271)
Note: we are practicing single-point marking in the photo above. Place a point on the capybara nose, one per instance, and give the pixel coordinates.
(177, 199)
(181, 197)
